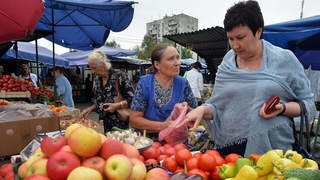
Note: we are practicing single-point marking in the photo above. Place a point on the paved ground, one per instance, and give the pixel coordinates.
(93, 115)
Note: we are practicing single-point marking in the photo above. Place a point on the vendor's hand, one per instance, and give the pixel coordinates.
(193, 118)
(277, 111)
(85, 113)
(110, 107)
(166, 124)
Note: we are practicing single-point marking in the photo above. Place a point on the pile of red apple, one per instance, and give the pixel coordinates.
(83, 154)
(11, 84)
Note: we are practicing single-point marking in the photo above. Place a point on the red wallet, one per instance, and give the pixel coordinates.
(270, 105)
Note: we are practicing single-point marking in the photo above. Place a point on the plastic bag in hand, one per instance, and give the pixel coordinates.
(172, 134)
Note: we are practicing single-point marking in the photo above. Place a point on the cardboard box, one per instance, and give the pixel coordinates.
(15, 135)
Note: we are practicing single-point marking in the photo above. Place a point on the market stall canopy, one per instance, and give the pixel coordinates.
(302, 36)
(84, 24)
(18, 18)
(207, 43)
(189, 62)
(80, 58)
(27, 51)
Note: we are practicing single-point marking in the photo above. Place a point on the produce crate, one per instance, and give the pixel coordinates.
(64, 124)
(15, 135)
(75, 113)
(5, 94)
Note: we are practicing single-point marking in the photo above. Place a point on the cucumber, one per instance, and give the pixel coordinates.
(303, 174)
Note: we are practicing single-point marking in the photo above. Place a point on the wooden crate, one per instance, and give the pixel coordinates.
(5, 94)
(74, 112)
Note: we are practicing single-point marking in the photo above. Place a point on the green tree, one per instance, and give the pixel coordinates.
(146, 47)
(185, 53)
(112, 43)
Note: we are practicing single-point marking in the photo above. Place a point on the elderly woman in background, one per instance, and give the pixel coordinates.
(64, 87)
(104, 91)
(158, 92)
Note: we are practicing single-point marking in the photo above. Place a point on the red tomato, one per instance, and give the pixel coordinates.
(169, 151)
(6, 168)
(167, 145)
(141, 158)
(150, 153)
(179, 146)
(161, 149)
(151, 161)
(182, 155)
(231, 157)
(212, 152)
(230, 163)
(207, 162)
(179, 169)
(161, 157)
(198, 171)
(192, 163)
(219, 160)
(214, 175)
(170, 163)
(156, 144)
(197, 155)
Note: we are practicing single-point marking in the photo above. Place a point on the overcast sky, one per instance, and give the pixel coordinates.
(208, 12)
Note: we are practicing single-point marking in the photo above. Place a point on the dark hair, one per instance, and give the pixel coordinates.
(58, 68)
(157, 53)
(196, 65)
(245, 13)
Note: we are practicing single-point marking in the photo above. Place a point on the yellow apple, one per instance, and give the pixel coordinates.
(37, 149)
(22, 170)
(118, 167)
(84, 173)
(70, 129)
(34, 157)
(84, 142)
(139, 170)
(38, 167)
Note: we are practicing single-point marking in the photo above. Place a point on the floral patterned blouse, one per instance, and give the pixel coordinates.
(107, 94)
(163, 96)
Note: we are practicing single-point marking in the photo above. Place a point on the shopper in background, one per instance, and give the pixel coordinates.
(250, 74)
(195, 79)
(104, 91)
(64, 87)
(88, 91)
(158, 92)
(28, 76)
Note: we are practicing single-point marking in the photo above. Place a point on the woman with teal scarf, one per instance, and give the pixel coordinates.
(250, 73)
(158, 92)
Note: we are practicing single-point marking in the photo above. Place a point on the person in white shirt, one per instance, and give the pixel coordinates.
(195, 79)
(28, 76)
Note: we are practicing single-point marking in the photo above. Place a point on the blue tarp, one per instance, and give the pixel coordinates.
(189, 62)
(301, 36)
(27, 51)
(80, 58)
(84, 24)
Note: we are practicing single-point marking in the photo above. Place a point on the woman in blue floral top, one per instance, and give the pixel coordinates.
(158, 92)
(104, 91)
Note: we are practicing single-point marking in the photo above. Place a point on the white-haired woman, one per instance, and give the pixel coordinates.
(104, 91)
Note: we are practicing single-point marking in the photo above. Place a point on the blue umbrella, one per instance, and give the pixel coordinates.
(84, 24)
(27, 51)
